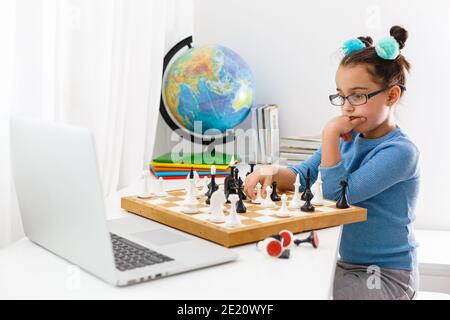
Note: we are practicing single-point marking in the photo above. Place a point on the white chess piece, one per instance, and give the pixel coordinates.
(196, 177)
(259, 198)
(186, 187)
(217, 201)
(204, 190)
(196, 180)
(145, 194)
(190, 204)
(233, 219)
(295, 202)
(318, 192)
(161, 192)
(188, 183)
(267, 202)
(232, 161)
(283, 211)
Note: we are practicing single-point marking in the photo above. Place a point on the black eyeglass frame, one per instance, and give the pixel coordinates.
(367, 95)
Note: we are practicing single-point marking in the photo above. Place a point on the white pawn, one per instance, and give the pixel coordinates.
(161, 192)
(267, 202)
(205, 182)
(196, 180)
(318, 192)
(233, 219)
(295, 202)
(217, 201)
(186, 187)
(190, 204)
(284, 211)
(188, 183)
(196, 177)
(259, 198)
(145, 194)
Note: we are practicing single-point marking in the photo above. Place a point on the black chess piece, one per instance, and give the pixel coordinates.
(313, 239)
(240, 207)
(274, 195)
(252, 166)
(213, 182)
(239, 184)
(227, 184)
(307, 186)
(342, 203)
(236, 176)
(307, 206)
(232, 188)
(212, 187)
(285, 255)
(240, 191)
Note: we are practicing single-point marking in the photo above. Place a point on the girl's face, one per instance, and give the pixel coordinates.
(356, 79)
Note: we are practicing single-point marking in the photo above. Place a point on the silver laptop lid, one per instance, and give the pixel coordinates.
(60, 195)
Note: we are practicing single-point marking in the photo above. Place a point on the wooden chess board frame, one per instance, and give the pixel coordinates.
(231, 237)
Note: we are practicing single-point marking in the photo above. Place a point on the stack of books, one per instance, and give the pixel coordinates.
(295, 150)
(265, 133)
(164, 166)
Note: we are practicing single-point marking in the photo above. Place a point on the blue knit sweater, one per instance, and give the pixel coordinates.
(382, 176)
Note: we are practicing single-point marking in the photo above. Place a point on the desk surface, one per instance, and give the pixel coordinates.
(28, 271)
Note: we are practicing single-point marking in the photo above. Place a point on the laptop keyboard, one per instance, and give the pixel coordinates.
(129, 255)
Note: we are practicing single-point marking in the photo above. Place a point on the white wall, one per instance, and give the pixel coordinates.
(291, 45)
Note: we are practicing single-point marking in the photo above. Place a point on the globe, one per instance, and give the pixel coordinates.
(211, 84)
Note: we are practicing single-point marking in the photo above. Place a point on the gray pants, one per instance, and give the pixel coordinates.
(358, 282)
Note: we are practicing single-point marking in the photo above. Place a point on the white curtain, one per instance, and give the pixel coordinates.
(91, 63)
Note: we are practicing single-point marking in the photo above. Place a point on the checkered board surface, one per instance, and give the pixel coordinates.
(257, 222)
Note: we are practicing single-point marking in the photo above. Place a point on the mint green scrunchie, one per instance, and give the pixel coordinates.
(388, 48)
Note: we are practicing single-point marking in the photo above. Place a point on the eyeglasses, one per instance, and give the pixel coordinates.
(356, 99)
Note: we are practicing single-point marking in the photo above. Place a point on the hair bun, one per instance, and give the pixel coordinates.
(399, 34)
(366, 40)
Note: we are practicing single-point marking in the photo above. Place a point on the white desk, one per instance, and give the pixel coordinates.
(29, 272)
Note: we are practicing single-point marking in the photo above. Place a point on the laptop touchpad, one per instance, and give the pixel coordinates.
(160, 237)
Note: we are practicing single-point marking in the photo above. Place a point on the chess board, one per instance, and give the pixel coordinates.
(257, 222)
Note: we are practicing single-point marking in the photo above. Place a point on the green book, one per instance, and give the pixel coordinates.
(218, 158)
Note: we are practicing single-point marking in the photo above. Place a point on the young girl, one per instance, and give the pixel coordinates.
(365, 147)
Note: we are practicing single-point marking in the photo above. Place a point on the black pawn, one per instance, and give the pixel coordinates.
(307, 186)
(274, 196)
(236, 176)
(313, 239)
(212, 187)
(240, 207)
(285, 255)
(252, 166)
(213, 183)
(241, 193)
(227, 183)
(307, 206)
(342, 202)
(240, 184)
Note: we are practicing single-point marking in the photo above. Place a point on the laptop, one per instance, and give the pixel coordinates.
(62, 206)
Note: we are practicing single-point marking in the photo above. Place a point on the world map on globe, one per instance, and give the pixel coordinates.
(210, 84)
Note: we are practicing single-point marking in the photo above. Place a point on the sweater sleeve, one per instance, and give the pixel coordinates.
(312, 163)
(390, 165)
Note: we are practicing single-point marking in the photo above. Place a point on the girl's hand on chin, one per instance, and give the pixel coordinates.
(342, 126)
